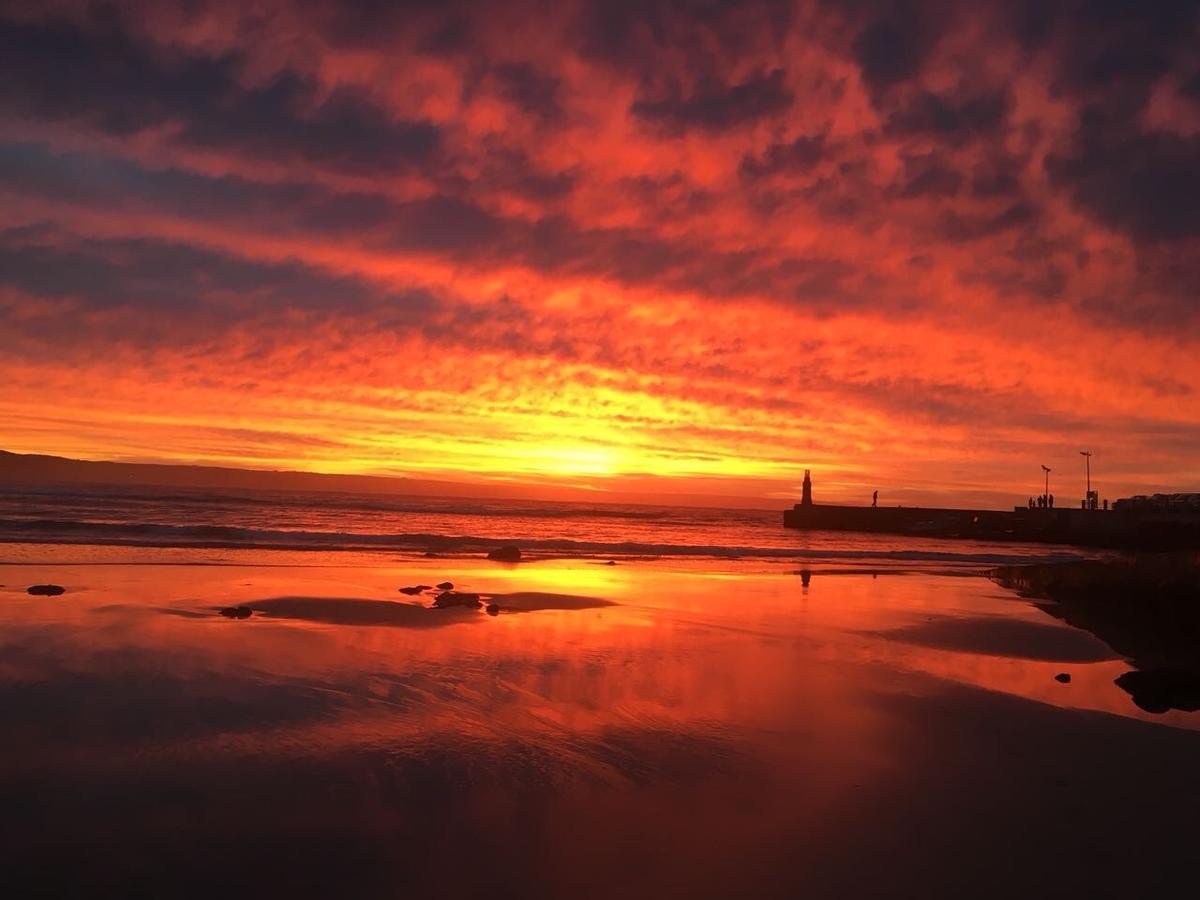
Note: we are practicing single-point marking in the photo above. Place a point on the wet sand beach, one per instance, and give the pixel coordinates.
(671, 728)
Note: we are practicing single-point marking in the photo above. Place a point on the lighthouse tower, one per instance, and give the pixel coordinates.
(806, 495)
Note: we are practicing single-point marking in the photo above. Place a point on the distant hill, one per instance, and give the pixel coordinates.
(36, 469)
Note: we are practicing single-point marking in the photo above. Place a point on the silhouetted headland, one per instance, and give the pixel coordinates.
(1162, 522)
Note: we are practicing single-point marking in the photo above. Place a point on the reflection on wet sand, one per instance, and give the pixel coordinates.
(635, 731)
(996, 636)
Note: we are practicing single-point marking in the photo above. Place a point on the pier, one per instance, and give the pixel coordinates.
(1127, 526)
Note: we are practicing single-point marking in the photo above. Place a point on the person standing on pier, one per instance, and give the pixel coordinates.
(874, 499)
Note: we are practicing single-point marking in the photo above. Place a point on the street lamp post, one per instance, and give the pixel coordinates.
(1087, 456)
(1046, 495)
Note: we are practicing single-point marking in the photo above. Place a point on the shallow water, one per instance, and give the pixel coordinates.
(671, 728)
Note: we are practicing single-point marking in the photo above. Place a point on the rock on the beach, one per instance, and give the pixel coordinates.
(1161, 690)
(237, 612)
(46, 590)
(493, 609)
(1063, 678)
(450, 599)
(416, 589)
(611, 562)
(446, 586)
(506, 554)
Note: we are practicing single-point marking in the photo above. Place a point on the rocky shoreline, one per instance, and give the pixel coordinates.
(1145, 607)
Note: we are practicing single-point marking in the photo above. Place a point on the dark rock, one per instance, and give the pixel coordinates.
(1160, 690)
(429, 554)
(413, 591)
(451, 599)
(611, 562)
(1063, 678)
(446, 586)
(237, 612)
(506, 554)
(493, 609)
(46, 590)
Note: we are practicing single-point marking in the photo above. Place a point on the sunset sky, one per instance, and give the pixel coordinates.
(634, 247)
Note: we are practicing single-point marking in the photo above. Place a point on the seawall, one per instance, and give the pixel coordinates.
(1086, 528)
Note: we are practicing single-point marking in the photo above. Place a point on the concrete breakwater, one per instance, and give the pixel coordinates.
(1133, 530)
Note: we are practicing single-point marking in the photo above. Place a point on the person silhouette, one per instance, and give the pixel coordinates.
(875, 499)
(1051, 501)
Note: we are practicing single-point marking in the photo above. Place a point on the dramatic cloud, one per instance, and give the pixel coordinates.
(692, 245)
(1140, 182)
(717, 106)
(103, 80)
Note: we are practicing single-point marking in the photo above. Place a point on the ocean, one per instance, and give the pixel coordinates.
(205, 520)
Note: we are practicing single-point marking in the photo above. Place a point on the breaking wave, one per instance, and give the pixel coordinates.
(59, 531)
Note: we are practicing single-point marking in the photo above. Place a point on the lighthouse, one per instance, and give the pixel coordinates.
(806, 494)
